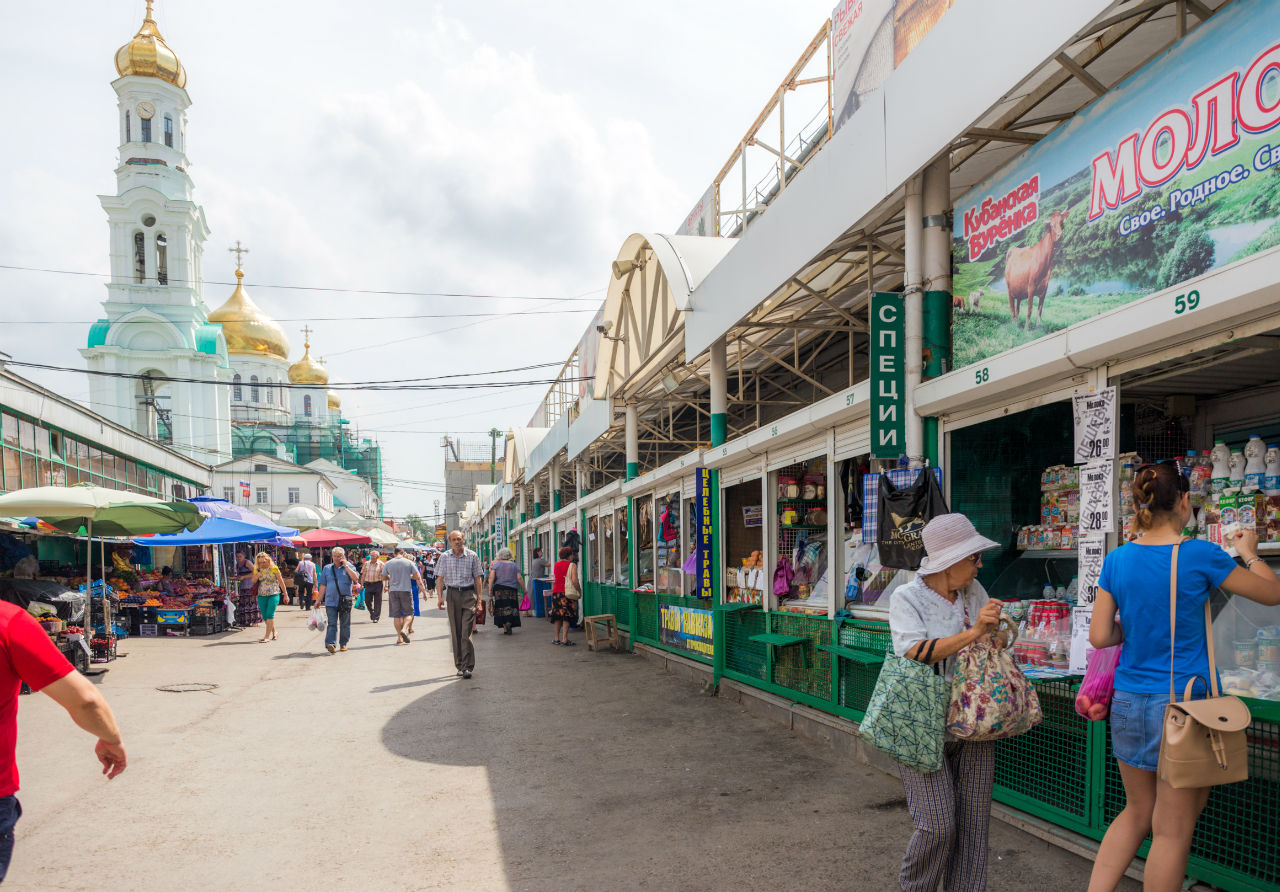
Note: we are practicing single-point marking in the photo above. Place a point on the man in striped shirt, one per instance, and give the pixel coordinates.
(458, 576)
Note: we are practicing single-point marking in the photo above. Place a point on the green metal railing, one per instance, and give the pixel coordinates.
(1062, 771)
(648, 625)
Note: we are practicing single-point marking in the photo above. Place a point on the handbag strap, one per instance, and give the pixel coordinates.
(1173, 631)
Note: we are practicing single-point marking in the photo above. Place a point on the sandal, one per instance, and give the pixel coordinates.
(555, 641)
(569, 643)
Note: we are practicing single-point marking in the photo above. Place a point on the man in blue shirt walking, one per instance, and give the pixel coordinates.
(336, 590)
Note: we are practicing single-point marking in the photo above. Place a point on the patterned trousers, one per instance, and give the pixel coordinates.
(951, 811)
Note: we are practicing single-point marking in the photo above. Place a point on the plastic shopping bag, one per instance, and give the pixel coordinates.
(359, 604)
(1093, 701)
(317, 621)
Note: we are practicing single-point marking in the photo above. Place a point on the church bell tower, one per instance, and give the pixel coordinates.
(156, 329)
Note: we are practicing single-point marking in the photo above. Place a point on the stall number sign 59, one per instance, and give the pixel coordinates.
(1185, 303)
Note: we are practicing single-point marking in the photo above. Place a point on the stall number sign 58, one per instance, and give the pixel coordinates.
(1185, 303)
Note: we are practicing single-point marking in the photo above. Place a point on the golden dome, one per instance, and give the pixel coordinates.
(307, 371)
(248, 330)
(334, 402)
(147, 55)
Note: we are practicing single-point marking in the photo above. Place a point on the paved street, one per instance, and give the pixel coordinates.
(551, 769)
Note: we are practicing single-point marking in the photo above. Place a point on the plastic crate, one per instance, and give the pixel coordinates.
(172, 617)
(149, 630)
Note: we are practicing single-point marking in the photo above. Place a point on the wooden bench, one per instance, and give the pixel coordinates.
(611, 636)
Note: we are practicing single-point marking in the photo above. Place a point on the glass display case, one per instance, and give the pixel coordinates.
(1027, 575)
(1246, 640)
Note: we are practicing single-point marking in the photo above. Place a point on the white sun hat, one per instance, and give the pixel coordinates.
(948, 539)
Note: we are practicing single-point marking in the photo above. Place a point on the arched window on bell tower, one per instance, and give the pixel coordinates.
(146, 129)
(162, 259)
(271, 393)
(139, 258)
(306, 404)
(254, 395)
(168, 131)
(237, 392)
(128, 128)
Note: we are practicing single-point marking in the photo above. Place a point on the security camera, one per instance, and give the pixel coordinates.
(604, 327)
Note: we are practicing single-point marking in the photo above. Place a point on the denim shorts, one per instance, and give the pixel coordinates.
(1137, 724)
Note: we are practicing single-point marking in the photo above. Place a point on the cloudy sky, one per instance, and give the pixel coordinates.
(487, 148)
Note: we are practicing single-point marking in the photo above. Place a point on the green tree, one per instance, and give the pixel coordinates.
(421, 529)
(1192, 255)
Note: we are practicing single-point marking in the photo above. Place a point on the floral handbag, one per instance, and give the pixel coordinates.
(990, 697)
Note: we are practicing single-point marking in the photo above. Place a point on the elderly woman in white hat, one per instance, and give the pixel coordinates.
(932, 618)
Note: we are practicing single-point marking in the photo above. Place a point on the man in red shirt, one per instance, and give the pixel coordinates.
(27, 655)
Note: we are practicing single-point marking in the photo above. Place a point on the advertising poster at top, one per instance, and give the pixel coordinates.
(870, 38)
(702, 219)
(1171, 174)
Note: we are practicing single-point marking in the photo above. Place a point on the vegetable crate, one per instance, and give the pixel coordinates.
(206, 622)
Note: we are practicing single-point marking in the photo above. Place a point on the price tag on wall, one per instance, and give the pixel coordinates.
(1080, 646)
(1097, 498)
(1095, 425)
(1092, 550)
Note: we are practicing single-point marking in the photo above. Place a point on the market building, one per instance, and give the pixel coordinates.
(954, 248)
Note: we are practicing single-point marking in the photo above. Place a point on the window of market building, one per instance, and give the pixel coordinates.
(36, 455)
(592, 548)
(622, 549)
(668, 578)
(644, 542)
(607, 549)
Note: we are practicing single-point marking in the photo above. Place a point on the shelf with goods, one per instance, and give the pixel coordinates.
(800, 537)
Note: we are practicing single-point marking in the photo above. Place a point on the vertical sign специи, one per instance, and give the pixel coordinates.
(705, 589)
(888, 376)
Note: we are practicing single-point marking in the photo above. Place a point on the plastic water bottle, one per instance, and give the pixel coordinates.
(1271, 479)
(1255, 465)
(1073, 588)
(1220, 474)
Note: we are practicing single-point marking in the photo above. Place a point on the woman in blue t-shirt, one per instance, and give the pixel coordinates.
(1135, 582)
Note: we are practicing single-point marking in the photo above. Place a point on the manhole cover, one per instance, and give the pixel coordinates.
(186, 688)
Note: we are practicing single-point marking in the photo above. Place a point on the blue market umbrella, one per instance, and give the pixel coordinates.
(214, 531)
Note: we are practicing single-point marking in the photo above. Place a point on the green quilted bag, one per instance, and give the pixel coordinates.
(907, 712)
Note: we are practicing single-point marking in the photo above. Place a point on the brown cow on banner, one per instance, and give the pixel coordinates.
(1027, 269)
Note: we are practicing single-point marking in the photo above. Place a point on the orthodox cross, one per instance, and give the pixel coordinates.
(306, 334)
(238, 251)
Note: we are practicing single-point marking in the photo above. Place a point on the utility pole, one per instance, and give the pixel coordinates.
(494, 434)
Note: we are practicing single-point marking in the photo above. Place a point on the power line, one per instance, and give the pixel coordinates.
(347, 319)
(380, 292)
(393, 384)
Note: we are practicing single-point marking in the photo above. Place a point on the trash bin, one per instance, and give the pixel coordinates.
(541, 596)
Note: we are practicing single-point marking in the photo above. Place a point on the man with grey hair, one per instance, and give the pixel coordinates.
(337, 587)
(459, 577)
(400, 573)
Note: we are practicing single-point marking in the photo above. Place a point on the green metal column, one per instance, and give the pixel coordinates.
(556, 499)
(719, 393)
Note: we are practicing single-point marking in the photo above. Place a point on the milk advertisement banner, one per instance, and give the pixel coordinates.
(869, 39)
(1171, 174)
(702, 219)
